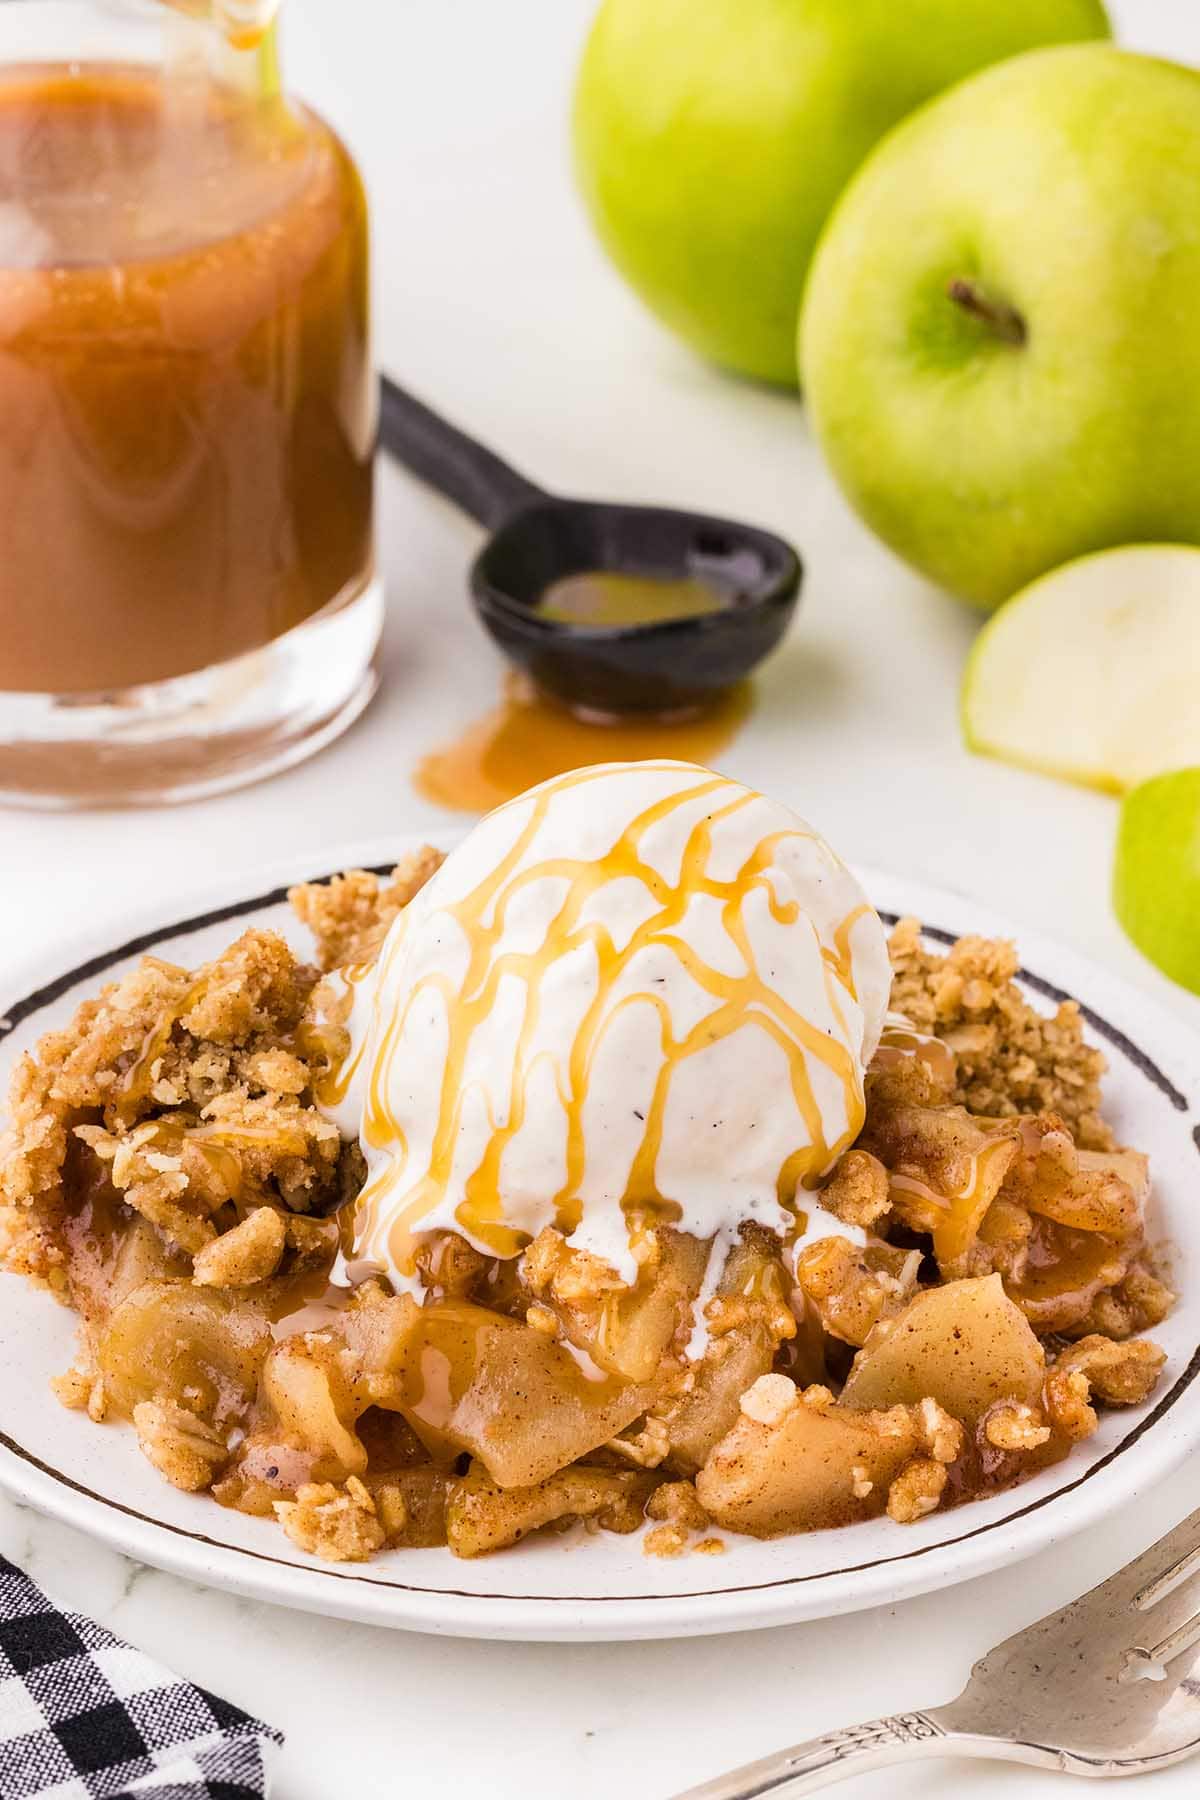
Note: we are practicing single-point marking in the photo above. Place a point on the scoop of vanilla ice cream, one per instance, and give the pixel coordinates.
(639, 982)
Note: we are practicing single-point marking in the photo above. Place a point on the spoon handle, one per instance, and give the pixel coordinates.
(449, 460)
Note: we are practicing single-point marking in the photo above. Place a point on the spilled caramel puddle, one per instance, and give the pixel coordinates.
(527, 739)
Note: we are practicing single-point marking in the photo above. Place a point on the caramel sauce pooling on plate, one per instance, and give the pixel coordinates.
(528, 738)
(186, 402)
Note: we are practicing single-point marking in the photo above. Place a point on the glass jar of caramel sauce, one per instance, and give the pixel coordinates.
(187, 410)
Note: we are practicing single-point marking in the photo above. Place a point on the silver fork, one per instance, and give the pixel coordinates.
(1108, 1686)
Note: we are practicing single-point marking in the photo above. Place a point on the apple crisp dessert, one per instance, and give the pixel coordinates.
(171, 1173)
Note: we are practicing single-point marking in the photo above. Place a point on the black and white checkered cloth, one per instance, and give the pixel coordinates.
(85, 1717)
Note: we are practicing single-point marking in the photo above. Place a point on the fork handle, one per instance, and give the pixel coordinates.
(837, 1755)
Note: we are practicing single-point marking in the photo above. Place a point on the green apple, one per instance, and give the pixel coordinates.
(1156, 879)
(1093, 672)
(713, 136)
(1001, 333)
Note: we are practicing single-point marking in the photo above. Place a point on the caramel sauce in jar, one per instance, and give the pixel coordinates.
(186, 400)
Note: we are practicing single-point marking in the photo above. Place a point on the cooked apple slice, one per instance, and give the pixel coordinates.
(510, 1395)
(1092, 672)
(624, 1330)
(638, 1327)
(481, 1516)
(196, 1347)
(733, 1361)
(303, 1392)
(710, 1407)
(804, 1467)
(965, 1345)
(1064, 1274)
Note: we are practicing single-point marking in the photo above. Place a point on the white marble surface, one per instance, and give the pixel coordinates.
(494, 303)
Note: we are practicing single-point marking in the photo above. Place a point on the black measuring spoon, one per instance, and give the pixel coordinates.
(671, 666)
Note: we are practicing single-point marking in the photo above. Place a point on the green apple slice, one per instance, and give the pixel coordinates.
(1093, 672)
(1156, 877)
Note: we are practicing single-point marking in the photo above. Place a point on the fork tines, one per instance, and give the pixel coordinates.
(1168, 1581)
(1144, 1662)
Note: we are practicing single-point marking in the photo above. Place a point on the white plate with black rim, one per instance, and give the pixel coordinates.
(604, 1587)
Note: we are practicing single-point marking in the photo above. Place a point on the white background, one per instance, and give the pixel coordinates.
(493, 302)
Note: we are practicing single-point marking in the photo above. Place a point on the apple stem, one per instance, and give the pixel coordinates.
(1004, 320)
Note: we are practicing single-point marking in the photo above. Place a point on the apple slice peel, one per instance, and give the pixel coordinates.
(1156, 873)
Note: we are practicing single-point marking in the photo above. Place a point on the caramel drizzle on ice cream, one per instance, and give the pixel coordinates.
(398, 1199)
